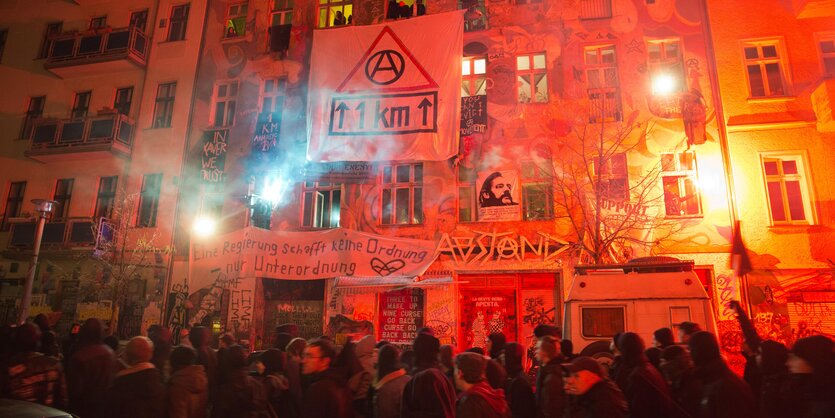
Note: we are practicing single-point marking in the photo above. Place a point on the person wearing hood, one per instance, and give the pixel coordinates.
(685, 386)
(361, 379)
(388, 386)
(326, 396)
(645, 390)
(293, 370)
(429, 393)
(477, 398)
(550, 393)
(239, 395)
(187, 393)
(269, 367)
(725, 395)
(812, 366)
(518, 390)
(163, 342)
(90, 369)
(137, 391)
(595, 396)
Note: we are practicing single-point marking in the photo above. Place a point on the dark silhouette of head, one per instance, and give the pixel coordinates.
(388, 360)
(181, 357)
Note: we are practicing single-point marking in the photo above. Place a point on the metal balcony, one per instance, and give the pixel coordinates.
(97, 52)
(77, 139)
(57, 235)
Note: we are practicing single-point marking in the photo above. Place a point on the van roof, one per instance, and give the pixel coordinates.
(617, 285)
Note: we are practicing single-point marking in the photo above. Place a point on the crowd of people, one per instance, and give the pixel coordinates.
(92, 376)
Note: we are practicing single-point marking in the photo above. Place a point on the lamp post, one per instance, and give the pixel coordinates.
(44, 209)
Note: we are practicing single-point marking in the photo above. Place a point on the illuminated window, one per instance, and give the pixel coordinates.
(466, 194)
(282, 13)
(603, 87)
(225, 101)
(827, 50)
(33, 112)
(402, 194)
(678, 177)
(595, 9)
(665, 66)
(531, 78)
(149, 200)
(62, 195)
(613, 177)
(164, 105)
(177, 22)
(475, 17)
(537, 190)
(321, 204)
(106, 197)
(603, 322)
(14, 202)
(81, 105)
(335, 13)
(788, 194)
(272, 94)
(235, 20)
(765, 69)
(473, 77)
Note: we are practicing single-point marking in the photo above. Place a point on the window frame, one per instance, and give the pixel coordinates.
(149, 198)
(279, 92)
(600, 66)
(241, 10)
(140, 16)
(762, 62)
(682, 174)
(820, 38)
(31, 115)
(332, 6)
(606, 6)
(532, 71)
(229, 101)
(467, 179)
(664, 64)
(802, 176)
(482, 23)
(283, 8)
(392, 186)
(583, 308)
(52, 29)
(608, 175)
(81, 110)
(16, 201)
(98, 22)
(164, 105)
(471, 78)
(541, 178)
(62, 195)
(105, 198)
(181, 21)
(314, 189)
(118, 106)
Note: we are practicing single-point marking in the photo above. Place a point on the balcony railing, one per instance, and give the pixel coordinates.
(102, 45)
(64, 234)
(595, 9)
(112, 132)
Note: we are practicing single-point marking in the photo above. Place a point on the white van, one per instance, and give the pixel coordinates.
(640, 296)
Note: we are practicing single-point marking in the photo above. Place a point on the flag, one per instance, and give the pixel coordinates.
(740, 262)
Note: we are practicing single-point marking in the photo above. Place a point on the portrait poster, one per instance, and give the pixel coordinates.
(499, 196)
(484, 312)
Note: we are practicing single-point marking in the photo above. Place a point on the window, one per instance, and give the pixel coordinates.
(678, 176)
(177, 22)
(225, 100)
(602, 322)
(139, 19)
(14, 202)
(531, 78)
(123, 99)
(33, 112)
(98, 22)
(335, 13)
(63, 194)
(665, 66)
(595, 9)
(149, 200)
(106, 197)
(282, 13)
(321, 204)
(235, 20)
(788, 194)
(602, 83)
(52, 29)
(81, 105)
(403, 9)
(537, 192)
(164, 105)
(4, 34)
(764, 69)
(402, 188)
(467, 211)
(474, 79)
(475, 17)
(272, 94)
(827, 49)
(614, 178)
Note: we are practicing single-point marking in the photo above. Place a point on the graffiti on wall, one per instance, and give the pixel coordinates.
(485, 246)
(440, 314)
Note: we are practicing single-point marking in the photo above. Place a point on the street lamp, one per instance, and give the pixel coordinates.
(44, 209)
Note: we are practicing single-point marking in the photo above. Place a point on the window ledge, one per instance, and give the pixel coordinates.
(797, 227)
(700, 216)
(171, 42)
(154, 128)
(772, 99)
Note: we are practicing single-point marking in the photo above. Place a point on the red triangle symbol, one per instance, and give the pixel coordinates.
(387, 66)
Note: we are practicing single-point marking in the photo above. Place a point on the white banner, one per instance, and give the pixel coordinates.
(253, 252)
(386, 92)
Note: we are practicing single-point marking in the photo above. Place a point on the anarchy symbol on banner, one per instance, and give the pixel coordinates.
(385, 67)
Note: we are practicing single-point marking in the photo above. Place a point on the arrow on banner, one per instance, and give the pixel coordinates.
(424, 106)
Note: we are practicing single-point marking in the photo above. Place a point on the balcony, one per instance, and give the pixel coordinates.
(72, 233)
(823, 101)
(804, 9)
(79, 139)
(97, 52)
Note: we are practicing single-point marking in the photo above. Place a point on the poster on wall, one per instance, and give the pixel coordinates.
(499, 196)
(473, 115)
(484, 312)
(306, 314)
(213, 156)
(400, 315)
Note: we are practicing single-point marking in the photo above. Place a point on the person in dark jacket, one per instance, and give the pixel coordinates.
(495, 344)
(567, 350)
(477, 399)
(812, 365)
(685, 386)
(32, 376)
(661, 339)
(200, 337)
(750, 346)
(387, 394)
(429, 393)
(293, 371)
(550, 393)
(725, 395)
(239, 395)
(595, 396)
(327, 396)
(187, 393)
(137, 391)
(774, 400)
(270, 366)
(90, 369)
(645, 390)
(518, 390)
(163, 343)
(446, 359)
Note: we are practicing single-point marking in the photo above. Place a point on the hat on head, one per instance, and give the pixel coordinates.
(817, 350)
(583, 363)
